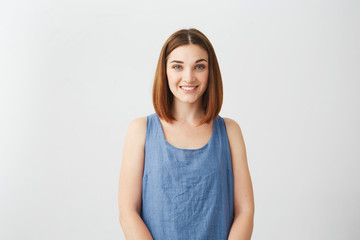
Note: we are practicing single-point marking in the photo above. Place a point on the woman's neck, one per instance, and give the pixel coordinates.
(187, 112)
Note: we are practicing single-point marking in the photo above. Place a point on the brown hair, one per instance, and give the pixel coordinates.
(162, 96)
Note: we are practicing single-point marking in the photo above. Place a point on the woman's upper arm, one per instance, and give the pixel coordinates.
(132, 166)
(243, 190)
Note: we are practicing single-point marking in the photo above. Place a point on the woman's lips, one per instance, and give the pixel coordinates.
(188, 89)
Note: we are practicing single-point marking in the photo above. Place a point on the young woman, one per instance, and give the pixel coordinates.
(184, 172)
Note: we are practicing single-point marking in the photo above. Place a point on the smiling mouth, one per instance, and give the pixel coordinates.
(188, 88)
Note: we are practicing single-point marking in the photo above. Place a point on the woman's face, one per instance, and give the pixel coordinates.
(187, 72)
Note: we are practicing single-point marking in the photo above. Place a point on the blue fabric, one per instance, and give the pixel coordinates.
(187, 193)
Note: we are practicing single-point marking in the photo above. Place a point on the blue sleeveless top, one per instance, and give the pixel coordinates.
(187, 193)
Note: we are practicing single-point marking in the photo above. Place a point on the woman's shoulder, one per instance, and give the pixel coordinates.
(137, 128)
(139, 122)
(232, 128)
(230, 123)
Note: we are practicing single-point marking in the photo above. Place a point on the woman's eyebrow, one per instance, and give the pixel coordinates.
(200, 60)
(177, 61)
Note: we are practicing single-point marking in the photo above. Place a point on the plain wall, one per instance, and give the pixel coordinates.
(74, 74)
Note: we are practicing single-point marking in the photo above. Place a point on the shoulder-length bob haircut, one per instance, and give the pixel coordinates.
(162, 96)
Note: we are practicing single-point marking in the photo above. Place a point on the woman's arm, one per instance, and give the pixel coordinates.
(244, 206)
(130, 182)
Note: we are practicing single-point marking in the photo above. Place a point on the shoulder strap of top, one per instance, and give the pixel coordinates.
(151, 128)
(225, 140)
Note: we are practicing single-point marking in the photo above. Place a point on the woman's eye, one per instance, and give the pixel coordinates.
(177, 67)
(200, 67)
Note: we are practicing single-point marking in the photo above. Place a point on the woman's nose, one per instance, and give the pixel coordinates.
(188, 75)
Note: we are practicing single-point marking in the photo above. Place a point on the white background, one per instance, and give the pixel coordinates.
(73, 74)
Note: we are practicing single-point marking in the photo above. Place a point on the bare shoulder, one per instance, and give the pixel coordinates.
(230, 122)
(137, 129)
(139, 123)
(235, 136)
(233, 128)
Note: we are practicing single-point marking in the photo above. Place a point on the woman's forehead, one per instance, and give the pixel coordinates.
(188, 52)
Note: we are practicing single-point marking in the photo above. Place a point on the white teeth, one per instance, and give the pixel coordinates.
(188, 88)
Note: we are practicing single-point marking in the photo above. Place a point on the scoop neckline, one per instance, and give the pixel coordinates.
(185, 149)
